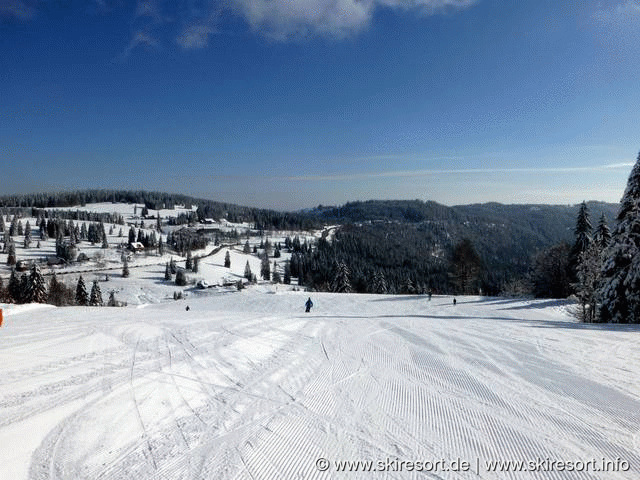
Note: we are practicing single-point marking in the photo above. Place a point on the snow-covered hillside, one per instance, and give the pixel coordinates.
(245, 385)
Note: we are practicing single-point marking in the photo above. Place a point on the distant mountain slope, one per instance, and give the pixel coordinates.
(546, 223)
(414, 240)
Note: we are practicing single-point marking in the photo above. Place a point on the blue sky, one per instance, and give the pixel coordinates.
(289, 104)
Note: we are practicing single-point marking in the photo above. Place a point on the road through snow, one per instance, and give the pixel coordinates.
(247, 386)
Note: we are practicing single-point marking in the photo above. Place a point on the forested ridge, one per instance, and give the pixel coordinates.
(262, 218)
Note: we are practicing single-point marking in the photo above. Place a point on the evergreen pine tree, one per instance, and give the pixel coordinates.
(125, 268)
(341, 280)
(247, 247)
(11, 256)
(56, 292)
(582, 233)
(4, 295)
(13, 287)
(160, 246)
(181, 278)
(227, 260)
(275, 276)
(13, 226)
(265, 268)
(588, 277)
(294, 265)
(112, 299)
(408, 286)
(167, 272)
(82, 298)
(247, 271)
(36, 291)
(188, 264)
(379, 283)
(95, 298)
(602, 235)
(105, 241)
(286, 279)
(196, 265)
(620, 285)
(24, 285)
(27, 236)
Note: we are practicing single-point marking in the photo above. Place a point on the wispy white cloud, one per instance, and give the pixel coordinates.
(141, 39)
(284, 19)
(621, 12)
(195, 36)
(457, 171)
(150, 9)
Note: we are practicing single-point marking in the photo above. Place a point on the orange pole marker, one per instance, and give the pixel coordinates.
(0, 317)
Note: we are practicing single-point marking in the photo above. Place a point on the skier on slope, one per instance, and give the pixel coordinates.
(308, 305)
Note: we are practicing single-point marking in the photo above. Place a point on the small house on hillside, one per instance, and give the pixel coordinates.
(136, 247)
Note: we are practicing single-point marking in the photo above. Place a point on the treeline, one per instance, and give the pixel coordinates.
(78, 215)
(32, 288)
(154, 200)
(262, 219)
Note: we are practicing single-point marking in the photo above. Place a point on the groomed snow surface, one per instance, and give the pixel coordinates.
(245, 385)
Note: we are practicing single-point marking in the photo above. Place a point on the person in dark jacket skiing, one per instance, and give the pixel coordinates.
(308, 305)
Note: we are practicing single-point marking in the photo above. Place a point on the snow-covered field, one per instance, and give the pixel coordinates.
(245, 385)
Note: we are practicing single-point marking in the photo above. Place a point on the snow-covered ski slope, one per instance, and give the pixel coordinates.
(245, 385)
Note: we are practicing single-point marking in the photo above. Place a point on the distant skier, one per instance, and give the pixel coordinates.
(430, 293)
(308, 305)
(187, 309)
(454, 301)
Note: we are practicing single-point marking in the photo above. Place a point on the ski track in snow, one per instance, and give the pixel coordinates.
(246, 386)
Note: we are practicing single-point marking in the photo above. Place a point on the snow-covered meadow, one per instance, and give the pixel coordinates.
(246, 385)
